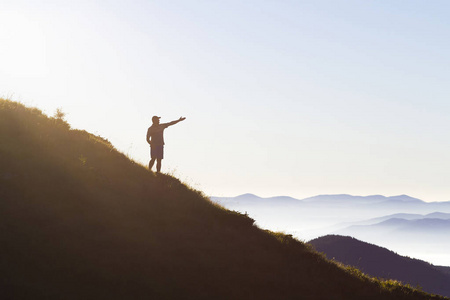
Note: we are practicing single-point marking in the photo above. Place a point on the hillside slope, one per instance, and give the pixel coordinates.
(79, 220)
(380, 262)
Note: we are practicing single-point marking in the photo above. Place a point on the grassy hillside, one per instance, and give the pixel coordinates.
(381, 262)
(79, 220)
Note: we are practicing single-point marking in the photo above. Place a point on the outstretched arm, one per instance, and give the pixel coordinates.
(176, 121)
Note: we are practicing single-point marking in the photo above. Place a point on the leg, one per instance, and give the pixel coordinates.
(152, 162)
(158, 165)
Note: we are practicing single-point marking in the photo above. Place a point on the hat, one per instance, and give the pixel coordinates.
(154, 118)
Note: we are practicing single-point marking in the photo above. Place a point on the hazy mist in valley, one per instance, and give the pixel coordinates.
(406, 225)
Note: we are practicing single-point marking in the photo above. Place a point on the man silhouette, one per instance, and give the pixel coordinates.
(155, 137)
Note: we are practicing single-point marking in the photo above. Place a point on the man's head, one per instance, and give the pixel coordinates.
(155, 119)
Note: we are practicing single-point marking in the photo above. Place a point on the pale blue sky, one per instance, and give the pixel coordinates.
(281, 97)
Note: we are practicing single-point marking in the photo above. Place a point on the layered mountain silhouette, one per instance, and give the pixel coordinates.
(435, 215)
(380, 262)
(401, 223)
(418, 235)
(402, 226)
(80, 220)
(344, 198)
(403, 203)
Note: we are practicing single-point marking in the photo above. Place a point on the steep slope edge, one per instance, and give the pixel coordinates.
(82, 221)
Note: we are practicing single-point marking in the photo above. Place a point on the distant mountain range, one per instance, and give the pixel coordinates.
(435, 215)
(336, 200)
(380, 262)
(331, 210)
(251, 199)
(401, 226)
(401, 223)
(344, 198)
(418, 237)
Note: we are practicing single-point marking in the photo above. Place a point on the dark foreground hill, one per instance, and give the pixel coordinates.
(79, 220)
(380, 262)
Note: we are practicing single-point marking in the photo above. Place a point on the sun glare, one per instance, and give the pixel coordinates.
(22, 50)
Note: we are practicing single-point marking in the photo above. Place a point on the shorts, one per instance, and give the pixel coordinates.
(157, 152)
